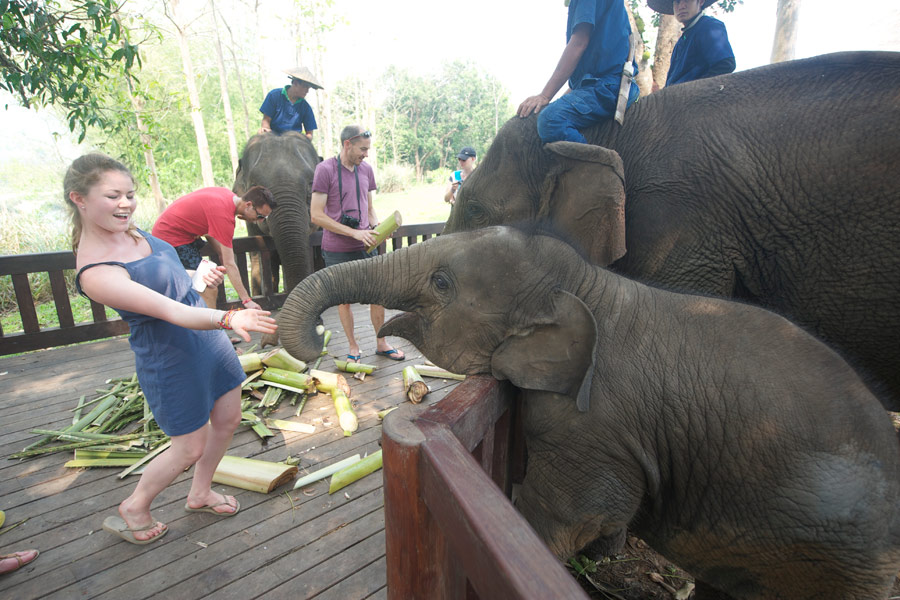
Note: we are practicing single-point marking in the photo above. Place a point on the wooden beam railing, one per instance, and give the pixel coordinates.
(56, 264)
(450, 529)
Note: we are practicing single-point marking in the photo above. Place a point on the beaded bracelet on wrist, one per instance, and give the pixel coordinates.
(225, 321)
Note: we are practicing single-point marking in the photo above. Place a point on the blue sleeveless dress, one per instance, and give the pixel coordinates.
(181, 371)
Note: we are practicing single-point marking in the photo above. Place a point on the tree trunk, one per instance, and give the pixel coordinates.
(786, 27)
(196, 113)
(260, 59)
(644, 77)
(138, 106)
(326, 135)
(240, 81)
(223, 86)
(668, 33)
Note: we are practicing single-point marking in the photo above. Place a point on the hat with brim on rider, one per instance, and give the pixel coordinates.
(665, 6)
(304, 75)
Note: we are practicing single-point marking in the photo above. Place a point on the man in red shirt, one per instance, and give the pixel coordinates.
(211, 212)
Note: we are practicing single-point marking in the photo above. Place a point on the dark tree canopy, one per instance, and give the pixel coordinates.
(57, 53)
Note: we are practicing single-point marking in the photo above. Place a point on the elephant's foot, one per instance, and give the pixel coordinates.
(605, 546)
(703, 591)
(268, 339)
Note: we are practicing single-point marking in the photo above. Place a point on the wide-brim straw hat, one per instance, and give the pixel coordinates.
(665, 6)
(304, 74)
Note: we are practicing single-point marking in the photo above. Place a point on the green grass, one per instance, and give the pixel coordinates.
(46, 230)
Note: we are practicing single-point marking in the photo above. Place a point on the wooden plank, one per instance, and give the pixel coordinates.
(361, 584)
(61, 299)
(25, 300)
(37, 262)
(54, 336)
(501, 554)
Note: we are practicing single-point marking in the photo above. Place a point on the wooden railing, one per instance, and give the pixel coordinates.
(55, 264)
(450, 529)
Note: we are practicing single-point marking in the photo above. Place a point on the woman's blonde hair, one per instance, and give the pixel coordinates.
(80, 177)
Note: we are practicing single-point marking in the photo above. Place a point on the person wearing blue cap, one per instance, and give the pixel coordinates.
(703, 49)
(466, 158)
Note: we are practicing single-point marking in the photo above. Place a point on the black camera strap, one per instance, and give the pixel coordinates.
(341, 186)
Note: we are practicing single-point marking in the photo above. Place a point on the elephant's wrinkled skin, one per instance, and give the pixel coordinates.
(737, 445)
(285, 164)
(776, 185)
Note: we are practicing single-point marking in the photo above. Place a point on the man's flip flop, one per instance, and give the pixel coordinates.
(118, 526)
(354, 357)
(392, 354)
(18, 556)
(212, 508)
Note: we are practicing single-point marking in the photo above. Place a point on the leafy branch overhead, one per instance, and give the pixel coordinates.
(56, 53)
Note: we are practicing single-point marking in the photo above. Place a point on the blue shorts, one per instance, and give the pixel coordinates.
(189, 254)
(563, 118)
(336, 258)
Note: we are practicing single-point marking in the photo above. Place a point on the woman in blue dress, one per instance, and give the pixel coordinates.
(187, 368)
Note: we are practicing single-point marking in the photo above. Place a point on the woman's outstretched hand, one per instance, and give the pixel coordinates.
(251, 319)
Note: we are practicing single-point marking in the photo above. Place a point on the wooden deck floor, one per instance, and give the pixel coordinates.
(287, 544)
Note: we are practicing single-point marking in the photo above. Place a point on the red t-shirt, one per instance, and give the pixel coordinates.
(208, 211)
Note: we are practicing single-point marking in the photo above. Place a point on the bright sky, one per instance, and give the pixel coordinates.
(520, 41)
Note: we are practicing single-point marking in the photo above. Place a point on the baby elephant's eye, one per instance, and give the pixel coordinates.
(440, 281)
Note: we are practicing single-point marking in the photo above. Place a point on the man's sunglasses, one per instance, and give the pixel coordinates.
(365, 134)
(259, 217)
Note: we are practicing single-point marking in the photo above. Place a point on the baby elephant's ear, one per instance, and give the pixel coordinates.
(553, 354)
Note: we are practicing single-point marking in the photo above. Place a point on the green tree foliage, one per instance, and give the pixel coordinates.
(424, 120)
(57, 53)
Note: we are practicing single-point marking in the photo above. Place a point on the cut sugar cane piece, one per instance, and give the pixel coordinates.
(415, 386)
(354, 472)
(295, 380)
(429, 371)
(285, 387)
(252, 361)
(325, 381)
(252, 474)
(291, 426)
(384, 229)
(134, 468)
(383, 413)
(101, 462)
(346, 416)
(280, 359)
(326, 471)
(351, 367)
(257, 425)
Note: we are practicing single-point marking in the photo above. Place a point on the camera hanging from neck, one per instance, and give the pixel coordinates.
(341, 187)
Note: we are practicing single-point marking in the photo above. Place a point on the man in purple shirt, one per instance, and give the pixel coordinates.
(342, 205)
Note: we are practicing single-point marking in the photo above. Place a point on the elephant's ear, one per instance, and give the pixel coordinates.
(553, 354)
(584, 195)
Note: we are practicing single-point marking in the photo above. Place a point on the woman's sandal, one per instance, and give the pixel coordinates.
(118, 526)
(19, 559)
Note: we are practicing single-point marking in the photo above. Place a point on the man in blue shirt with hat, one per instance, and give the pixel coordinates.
(598, 50)
(703, 49)
(286, 109)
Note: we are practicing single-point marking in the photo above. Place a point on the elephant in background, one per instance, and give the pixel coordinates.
(735, 444)
(285, 165)
(776, 185)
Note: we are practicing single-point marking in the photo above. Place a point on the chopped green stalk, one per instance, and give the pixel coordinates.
(271, 397)
(383, 413)
(253, 474)
(384, 229)
(250, 362)
(145, 460)
(302, 404)
(280, 359)
(346, 416)
(429, 371)
(78, 409)
(325, 381)
(102, 462)
(326, 337)
(87, 453)
(356, 471)
(257, 425)
(324, 472)
(77, 426)
(350, 367)
(78, 436)
(65, 447)
(415, 387)
(291, 426)
(288, 388)
(295, 380)
(249, 383)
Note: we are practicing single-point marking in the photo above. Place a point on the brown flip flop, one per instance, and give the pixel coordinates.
(211, 508)
(118, 526)
(18, 556)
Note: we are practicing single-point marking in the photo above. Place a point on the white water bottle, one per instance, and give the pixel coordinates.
(203, 268)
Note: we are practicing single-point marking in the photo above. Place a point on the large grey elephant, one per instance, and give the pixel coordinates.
(285, 164)
(737, 445)
(776, 185)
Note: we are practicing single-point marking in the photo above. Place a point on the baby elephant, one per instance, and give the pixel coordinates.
(734, 443)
